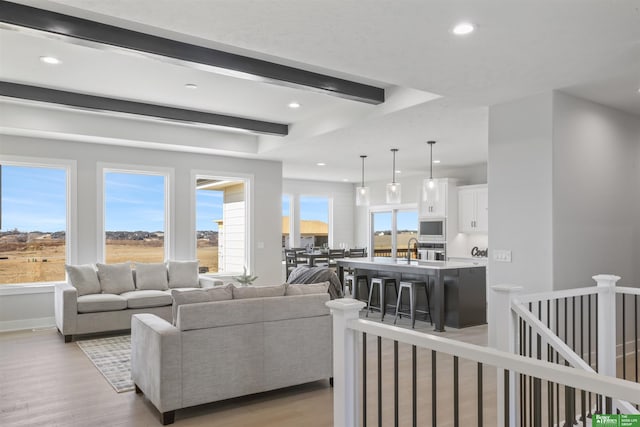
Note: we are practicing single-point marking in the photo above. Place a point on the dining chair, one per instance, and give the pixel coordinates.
(334, 254)
(358, 253)
(291, 261)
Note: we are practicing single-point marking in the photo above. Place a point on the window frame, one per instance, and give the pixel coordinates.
(71, 230)
(249, 214)
(394, 209)
(169, 206)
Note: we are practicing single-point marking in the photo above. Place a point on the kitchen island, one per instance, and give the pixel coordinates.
(458, 289)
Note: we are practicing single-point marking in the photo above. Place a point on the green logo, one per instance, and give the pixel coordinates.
(613, 420)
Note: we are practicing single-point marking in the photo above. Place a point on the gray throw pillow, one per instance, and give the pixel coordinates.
(183, 274)
(217, 293)
(151, 276)
(245, 292)
(84, 278)
(307, 288)
(115, 278)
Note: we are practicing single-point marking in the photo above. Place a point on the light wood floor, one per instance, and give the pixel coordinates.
(44, 382)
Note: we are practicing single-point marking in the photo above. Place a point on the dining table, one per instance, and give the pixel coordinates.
(311, 257)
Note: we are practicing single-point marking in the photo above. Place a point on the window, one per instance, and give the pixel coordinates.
(33, 223)
(286, 221)
(314, 221)
(134, 216)
(391, 231)
(221, 224)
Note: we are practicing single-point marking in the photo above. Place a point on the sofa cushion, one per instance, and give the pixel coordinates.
(115, 278)
(307, 288)
(183, 274)
(151, 276)
(181, 297)
(146, 298)
(244, 292)
(84, 278)
(101, 302)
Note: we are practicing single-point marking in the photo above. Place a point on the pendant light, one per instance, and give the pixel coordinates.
(394, 192)
(430, 192)
(362, 192)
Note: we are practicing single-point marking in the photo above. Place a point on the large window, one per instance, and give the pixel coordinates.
(314, 221)
(33, 217)
(221, 224)
(391, 231)
(134, 216)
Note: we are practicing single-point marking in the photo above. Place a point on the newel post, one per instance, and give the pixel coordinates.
(345, 361)
(503, 336)
(606, 284)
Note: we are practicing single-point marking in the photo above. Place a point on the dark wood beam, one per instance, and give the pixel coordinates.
(99, 103)
(225, 62)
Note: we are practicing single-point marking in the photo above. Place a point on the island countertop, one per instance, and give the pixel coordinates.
(458, 288)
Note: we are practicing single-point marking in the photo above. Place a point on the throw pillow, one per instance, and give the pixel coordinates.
(183, 274)
(309, 288)
(151, 276)
(258, 291)
(115, 278)
(84, 278)
(217, 293)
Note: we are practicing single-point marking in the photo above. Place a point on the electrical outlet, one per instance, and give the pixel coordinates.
(502, 255)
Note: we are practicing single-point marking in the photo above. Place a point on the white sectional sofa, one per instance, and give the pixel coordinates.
(228, 348)
(103, 298)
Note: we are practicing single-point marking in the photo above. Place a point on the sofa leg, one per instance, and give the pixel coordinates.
(68, 338)
(331, 381)
(168, 417)
(138, 390)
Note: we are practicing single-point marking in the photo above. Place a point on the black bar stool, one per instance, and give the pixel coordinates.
(411, 286)
(382, 283)
(352, 281)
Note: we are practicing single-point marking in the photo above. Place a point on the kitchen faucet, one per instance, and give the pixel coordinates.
(409, 249)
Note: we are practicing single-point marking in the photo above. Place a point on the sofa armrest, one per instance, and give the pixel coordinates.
(66, 307)
(209, 282)
(156, 360)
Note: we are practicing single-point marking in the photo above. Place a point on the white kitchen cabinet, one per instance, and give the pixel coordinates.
(473, 209)
(436, 207)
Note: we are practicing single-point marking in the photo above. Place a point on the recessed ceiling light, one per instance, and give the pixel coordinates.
(50, 60)
(345, 179)
(436, 161)
(294, 104)
(398, 171)
(191, 86)
(321, 164)
(463, 28)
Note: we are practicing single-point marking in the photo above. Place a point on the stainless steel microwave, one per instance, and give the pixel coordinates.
(432, 230)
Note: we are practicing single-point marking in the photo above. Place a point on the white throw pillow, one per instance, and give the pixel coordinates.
(84, 278)
(115, 278)
(151, 276)
(217, 293)
(307, 288)
(183, 274)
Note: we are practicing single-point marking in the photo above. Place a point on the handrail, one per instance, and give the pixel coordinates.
(583, 380)
(543, 296)
(627, 290)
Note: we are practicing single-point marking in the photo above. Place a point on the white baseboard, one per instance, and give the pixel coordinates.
(22, 324)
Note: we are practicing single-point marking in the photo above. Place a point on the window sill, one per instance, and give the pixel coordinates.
(27, 288)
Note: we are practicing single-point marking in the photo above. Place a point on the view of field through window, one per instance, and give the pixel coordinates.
(34, 222)
(406, 225)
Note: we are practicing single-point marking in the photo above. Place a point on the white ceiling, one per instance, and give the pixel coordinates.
(439, 86)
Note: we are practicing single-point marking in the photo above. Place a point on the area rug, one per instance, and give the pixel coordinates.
(112, 357)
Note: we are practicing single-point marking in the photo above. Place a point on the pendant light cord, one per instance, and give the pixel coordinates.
(393, 179)
(363, 157)
(431, 143)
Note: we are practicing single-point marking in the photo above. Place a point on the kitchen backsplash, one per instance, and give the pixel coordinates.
(462, 245)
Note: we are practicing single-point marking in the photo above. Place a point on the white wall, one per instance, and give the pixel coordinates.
(265, 205)
(595, 192)
(520, 192)
(342, 197)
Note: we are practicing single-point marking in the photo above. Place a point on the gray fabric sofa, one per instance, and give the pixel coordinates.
(225, 349)
(86, 304)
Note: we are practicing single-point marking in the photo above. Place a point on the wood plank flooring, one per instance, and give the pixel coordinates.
(44, 382)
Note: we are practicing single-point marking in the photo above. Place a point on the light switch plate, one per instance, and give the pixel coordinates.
(502, 255)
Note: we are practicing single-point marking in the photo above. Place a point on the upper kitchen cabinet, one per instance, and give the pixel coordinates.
(473, 209)
(440, 204)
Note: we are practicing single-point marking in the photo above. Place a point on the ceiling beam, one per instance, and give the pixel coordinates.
(214, 60)
(99, 103)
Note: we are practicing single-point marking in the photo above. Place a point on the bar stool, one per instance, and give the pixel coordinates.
(352, 281)
(382, 283)
(411, 287)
